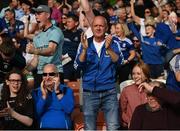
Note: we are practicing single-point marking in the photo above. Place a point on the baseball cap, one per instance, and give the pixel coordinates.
(42, 8)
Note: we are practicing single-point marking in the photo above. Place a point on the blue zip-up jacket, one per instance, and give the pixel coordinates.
(53, 113)
(98, 73)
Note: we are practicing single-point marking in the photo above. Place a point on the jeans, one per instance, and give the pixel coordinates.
(105, 100)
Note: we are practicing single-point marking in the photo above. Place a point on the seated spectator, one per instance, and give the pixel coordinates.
(54, 102)
(161, 112)
(16, 103)
(131, 97)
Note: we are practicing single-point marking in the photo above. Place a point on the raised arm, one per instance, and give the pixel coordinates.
(88, 10)
(167, 96)
(68, 5)
(132, 27)
(134, 16)
(112, 54)
(24, 119)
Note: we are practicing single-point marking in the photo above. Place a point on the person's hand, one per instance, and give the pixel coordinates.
(3, 113)
(148, 88)
(43, 89)
(132, 2)
(125, 62)
(30, 48)
(8, 111)
(84, 41)
(108, 41)
(56, 83)
(158, 43)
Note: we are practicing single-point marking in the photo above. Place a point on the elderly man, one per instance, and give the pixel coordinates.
(54, 102)
(98, 57)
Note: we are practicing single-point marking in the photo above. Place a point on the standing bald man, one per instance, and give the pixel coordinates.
(98, 57)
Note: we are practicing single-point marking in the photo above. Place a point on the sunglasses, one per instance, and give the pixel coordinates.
(135, 40)
(15, 81)
(49, 74)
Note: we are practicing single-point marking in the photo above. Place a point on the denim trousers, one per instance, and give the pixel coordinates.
(106, 101)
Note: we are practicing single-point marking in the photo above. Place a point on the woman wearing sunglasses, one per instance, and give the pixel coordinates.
(16, 111)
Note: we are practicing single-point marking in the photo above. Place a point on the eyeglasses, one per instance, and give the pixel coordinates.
(147, 12)
(13, 81)
(49, 74)
(135, 40)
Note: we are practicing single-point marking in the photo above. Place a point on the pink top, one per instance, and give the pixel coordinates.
(56, 15)
(130, 98)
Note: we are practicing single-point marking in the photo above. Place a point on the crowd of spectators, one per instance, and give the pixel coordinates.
(102, 42)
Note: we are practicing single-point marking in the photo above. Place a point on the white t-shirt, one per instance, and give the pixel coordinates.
(32, 20)
(89, 32)
(142, 27)
(98, 46)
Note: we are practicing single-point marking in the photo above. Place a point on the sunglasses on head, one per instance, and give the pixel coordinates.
(49, 74)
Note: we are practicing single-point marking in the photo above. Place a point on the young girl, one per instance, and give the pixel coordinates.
(16, 103)
(131, 97)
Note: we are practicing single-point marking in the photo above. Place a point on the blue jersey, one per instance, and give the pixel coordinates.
(152, 53)
(11, 31)
(126, 46)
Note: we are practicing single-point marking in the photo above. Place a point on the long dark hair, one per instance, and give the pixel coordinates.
(22, 93)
